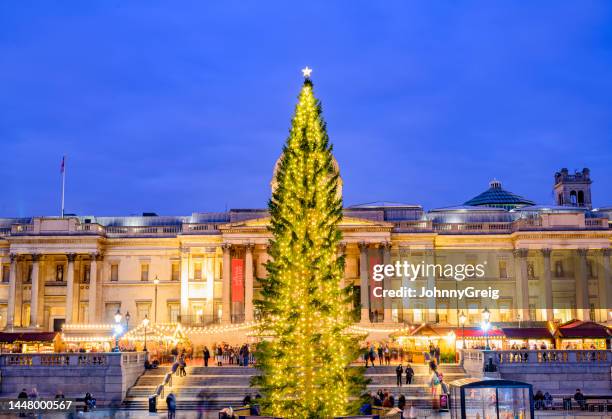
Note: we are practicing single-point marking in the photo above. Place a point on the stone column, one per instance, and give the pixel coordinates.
(522, 286)
(226, 315)
(10, 321)
(582, 286)
(363, 277)
(386, 246)
(34, 291)
(546, 287)
(70, 288)
(184, 285)
(605, 285)
(431, 283)
(93, 288)
(249, 315)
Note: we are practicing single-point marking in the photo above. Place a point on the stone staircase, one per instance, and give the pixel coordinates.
(214, 388)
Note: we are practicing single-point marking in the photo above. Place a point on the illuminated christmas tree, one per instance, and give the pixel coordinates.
(305, 360)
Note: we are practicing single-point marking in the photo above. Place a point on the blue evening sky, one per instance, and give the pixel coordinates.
(180, 107)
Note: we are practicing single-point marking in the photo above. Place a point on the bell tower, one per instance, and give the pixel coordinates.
(573, 190)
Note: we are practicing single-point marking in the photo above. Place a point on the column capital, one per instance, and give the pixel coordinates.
(363, 246)
(249, 246)
(546, 252)
(71, 257)
(36, 257)
(386, 245)
(521, 253)
(342, 248)
(97, 256)
(13, 257)
(226, 247)
(606, 252)
(582, 252)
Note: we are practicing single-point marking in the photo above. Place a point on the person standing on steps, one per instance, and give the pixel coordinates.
(171, 403)
(398, 372)
(206, 356)
(409, 374)
(380, 354)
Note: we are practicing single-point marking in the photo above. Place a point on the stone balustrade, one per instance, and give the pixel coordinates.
(106, 375)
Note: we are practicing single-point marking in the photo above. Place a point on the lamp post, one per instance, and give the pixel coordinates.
(127, 321)
(156, 282)
(145, 323)
(118, 329)
(462, 320)
(486, 315)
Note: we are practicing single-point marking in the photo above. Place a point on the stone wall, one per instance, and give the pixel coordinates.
(107, 376)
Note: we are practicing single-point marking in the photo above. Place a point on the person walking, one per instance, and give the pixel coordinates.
(245, 355)
(380, 354)
(437, 354)
(398, 372)
(171, 403)
(387, 354)
(219, 356)
(409, 374)
(206, 356)
(372, 355)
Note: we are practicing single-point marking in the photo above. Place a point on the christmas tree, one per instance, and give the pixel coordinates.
(305, 359)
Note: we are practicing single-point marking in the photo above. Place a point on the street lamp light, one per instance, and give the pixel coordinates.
(118, 329)
(486, 315)
(145, 323)
(156, 282)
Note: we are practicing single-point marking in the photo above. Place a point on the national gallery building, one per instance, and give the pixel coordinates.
(550, 262)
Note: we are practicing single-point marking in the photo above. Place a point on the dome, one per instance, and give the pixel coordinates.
(498, 197)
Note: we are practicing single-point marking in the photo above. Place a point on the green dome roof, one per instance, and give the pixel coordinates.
(498, 197)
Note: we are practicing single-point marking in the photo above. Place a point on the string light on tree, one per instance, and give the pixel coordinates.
(305, 349)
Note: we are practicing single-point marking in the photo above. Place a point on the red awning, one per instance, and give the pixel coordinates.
(577, 329)
(527, 333)
(27, 337)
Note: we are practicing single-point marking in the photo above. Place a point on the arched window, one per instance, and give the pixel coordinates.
(581, 198)
(573, 198)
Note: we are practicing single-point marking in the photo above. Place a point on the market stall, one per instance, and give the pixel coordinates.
(578, 334)
(527, 338)
(30, 342)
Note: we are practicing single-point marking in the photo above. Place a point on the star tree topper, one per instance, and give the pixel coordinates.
(306, 72)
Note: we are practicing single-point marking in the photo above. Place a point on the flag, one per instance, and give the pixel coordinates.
(63, 163)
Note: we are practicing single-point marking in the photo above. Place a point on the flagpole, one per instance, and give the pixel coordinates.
(63, 182)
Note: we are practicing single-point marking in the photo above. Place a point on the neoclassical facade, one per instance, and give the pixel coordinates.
(550, 262)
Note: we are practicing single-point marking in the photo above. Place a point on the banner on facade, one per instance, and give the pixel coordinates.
(237, 280)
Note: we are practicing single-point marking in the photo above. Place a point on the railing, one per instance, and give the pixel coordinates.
(501, 227)
(596, 222)
(22, 228)
(551, 356)
(90, 228)
(73, 359)
(199, 228)
(142, 230)
(5, 231)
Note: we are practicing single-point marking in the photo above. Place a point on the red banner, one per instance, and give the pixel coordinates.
(374, 260)
(237, 280)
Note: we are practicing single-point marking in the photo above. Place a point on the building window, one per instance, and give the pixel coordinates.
(531, 270)
(6, 273)
(59, 272)
(503, 270)
(143, 309)
(559, 269)
(144, 272)
(109, 312)
(114, 272)
(25, 315)
(3, 316)
(175, 271)
(197, 271)
(174, 311)
(86, 274)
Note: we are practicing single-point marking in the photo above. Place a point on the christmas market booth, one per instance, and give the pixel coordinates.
(30, 342)
(88, 337)
(491, 398)
(578, 334)
(528, 338)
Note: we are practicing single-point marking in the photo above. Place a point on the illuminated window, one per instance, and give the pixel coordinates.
(144, 272)
(197, 271)
(175, 271)
(143, 309)
(503, 270)
(174, 310)
(559, 269)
